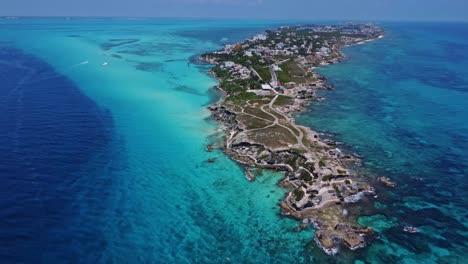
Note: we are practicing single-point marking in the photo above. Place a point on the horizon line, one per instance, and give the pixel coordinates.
(229, 18)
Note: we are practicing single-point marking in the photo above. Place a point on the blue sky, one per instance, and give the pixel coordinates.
(253, 9)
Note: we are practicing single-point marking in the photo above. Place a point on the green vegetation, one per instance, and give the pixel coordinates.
(335, 187)
(309, 166)
(231, 87)
(279, 116)
(322, 163)
(299, 194)
(248, 83)
(239, 85)
(288, 125)
(263, 157)
(264, 72)
(305, 140)
(257, 112)
(347, 181)
(238, 57)
(221, 73)
(294, 161)
(283, 100)
(299, 150)
(337, 190)
(342, 171)
(252, 122)
(291, 72)
(242, 96)
(326, 178)
(273, 137)
(305, 176)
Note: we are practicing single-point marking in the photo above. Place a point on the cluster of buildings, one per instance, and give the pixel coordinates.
(274, 86)
(281, 44)
(310, 40)
(236, 70)
(300, 41)
(229, 48)
(310, 45)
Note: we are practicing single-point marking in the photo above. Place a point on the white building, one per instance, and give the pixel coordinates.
(276, 68)
(274, 84)
(229, 64)
(259, 37)
(266, 87)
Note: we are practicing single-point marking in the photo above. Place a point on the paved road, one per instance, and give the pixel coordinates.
(274, 78)
(256, 73)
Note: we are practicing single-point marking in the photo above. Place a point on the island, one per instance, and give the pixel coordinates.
(264, 81)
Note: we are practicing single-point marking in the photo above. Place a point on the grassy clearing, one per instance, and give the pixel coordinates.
(283, 100)
(252, 122)
(291, 72)
(305, 141)
(273, 137)
(280, 117)
(299, 150)
(286, 124)
(258, 103)
(233, 107)
(242, 97)
(282, 120)
(264, 72)
(258, 112)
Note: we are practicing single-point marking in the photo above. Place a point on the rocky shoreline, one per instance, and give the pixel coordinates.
(260, 133)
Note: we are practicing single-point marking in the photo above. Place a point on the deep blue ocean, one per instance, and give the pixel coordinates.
(106, 162)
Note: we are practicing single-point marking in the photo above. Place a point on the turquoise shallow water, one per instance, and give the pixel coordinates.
(142, 190)
(150, 194)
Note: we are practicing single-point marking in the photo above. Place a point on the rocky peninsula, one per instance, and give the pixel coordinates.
(264, 80)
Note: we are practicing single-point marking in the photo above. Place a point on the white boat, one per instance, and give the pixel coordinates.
(411, 229)
(105, 63)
